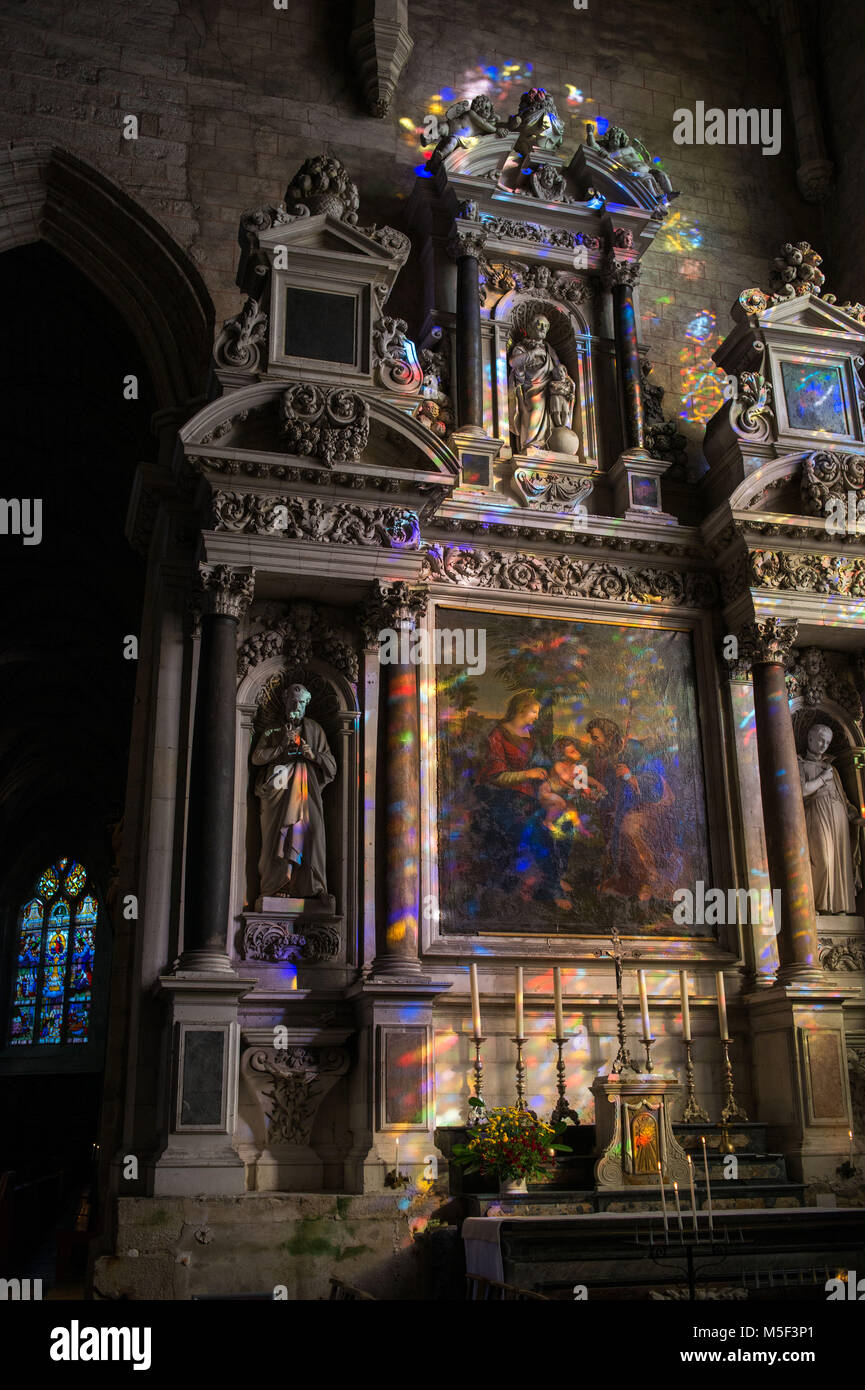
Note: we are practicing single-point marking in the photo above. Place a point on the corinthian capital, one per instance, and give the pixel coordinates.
(226, 591)
(616, 272)
(768, 640)
(394, 607)
(466, 240)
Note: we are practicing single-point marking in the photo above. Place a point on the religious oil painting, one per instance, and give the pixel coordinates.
(570, 778)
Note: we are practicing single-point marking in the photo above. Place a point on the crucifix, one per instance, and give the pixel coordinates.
(623, 1060)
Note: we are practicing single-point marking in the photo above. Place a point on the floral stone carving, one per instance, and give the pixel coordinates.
(330, 425)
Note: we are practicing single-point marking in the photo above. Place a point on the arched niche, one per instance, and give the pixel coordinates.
(48, 194)
(571, 337)
(334, 706)
(847, 749)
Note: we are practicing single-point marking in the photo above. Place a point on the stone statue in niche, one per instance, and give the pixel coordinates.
(540, 393)
(828, 814)
(617, 145)
(295, 763)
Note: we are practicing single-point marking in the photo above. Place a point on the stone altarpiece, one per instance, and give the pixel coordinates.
(350, 480)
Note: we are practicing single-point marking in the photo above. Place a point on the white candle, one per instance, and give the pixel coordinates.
(678, 1209)
(693, 1196)
(644, 1002)
(476, 1001)
(722, 1006)
(557, 990)
(850, 1137)
(396, 1160)
(663, 1200)
(518, 1000)
(708, 1184)
(686, 1010)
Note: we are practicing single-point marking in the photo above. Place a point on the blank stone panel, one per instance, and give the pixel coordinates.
(404, 1073)
(319, 325)
(202, 1077)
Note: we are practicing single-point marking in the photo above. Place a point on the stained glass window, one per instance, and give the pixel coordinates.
(53, 989)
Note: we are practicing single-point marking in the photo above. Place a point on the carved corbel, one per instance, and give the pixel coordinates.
(381, 45)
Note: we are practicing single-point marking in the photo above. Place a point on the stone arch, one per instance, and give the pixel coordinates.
(48, 194)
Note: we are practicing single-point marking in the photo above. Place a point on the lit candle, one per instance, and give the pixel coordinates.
(557, 990)
(693, 1196)
(708, 1184)
(850, 1137)
(663, 1201)
(644, 1002)
(686, 1010)
(396, 1160)
(722, 1007)
(476, 1001)
(518, 1000)
(678, 1209)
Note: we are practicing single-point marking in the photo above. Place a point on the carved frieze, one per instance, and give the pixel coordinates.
(332, 425)
(565, 575)
(274, 941)
(846, 955)
(509, 229)
(226, 591)
(307, 518)
(537, 282)
(826, 475)
(817, 574)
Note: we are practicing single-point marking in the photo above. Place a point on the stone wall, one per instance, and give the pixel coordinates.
(180, 1248)
(232, 95)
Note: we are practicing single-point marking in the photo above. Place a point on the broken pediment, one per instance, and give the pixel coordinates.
(329, 438)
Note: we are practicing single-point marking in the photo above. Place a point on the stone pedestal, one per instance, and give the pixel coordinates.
(393, 1083)
(633, 1119)
(290, 1082)
(636, 480)
(203, 1042)
(800, 1075)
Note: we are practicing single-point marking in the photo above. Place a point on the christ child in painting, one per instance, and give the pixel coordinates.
(566, 779)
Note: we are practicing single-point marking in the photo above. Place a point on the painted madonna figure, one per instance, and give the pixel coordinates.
(540, 393)
(295, 763)
(828, 813)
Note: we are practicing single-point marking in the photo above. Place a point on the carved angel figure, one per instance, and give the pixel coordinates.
(537, 122)
(541, 394)
(828, 813)
(616, 143)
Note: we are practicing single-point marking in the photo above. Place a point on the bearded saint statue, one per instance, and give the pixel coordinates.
(295, 763)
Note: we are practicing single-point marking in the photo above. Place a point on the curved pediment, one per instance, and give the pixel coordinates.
(334, 436)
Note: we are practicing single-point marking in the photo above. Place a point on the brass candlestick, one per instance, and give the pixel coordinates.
(731, 1110)
(474, 1110)
(563, 1110)
(647, 1044)
(521, 1074)
(693, 1110)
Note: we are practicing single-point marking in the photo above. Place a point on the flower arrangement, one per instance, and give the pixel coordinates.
(509, 1142)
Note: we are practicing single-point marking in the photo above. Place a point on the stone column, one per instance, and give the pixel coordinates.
(620, 277)
(226, 594)
(815, 172)
(199, 1079)
(391, 616)
(766, 644)
(465, 247)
